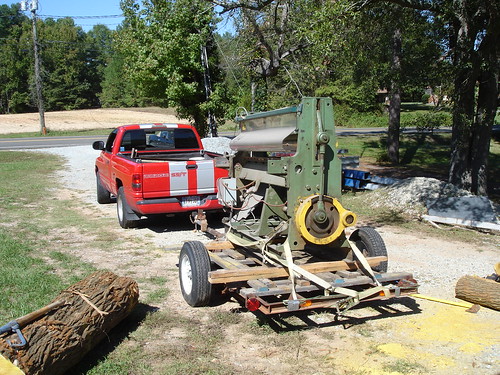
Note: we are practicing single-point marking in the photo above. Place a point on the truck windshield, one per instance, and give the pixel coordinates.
(159, 139)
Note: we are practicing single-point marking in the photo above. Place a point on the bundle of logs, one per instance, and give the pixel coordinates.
(74, 323)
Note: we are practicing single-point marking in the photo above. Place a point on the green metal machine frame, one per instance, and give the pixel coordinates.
(300, 178)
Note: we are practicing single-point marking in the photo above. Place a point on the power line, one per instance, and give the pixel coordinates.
(82, 17)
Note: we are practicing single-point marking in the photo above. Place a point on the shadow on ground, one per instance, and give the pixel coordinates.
(373, 310)
(115, 337)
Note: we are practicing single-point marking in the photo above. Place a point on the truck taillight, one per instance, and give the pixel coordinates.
(136, 182)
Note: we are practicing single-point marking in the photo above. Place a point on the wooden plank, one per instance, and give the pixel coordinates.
(259, 285)
(234, 254)
(230, 274)
(218, 245)
(283, 288)
(223, 261)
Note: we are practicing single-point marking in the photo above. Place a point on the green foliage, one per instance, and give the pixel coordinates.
(345, 116)
(360, 98)
(66, 84)
(427, 121)
(15, 66)
(161, 43)
(118, 90)
(72, 62)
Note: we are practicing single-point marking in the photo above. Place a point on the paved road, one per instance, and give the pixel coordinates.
(71, 141)
(49, 142)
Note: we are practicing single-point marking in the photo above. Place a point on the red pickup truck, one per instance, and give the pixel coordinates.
(156, 169)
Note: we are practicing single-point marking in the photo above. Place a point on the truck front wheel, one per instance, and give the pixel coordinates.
(103, 196)
(194, 265)
(126, 217)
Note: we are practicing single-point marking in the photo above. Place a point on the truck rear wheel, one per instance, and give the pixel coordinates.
(103, 196)
(371, 244)
(126, 217)
(194, 266)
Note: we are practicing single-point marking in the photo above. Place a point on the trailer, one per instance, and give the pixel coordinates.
(289, 244)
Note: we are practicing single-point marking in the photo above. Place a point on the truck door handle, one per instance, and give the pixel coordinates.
(191, 166)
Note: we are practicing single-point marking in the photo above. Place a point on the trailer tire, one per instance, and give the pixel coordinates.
(103, 196)
(371, 244)
(194, 266)
(126, 217)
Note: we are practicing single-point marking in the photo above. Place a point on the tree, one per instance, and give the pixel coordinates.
(98, 52)
(395, 95)
(473, 42)
(16, 64)
(268, 34)
(65, 73)
(161, 43)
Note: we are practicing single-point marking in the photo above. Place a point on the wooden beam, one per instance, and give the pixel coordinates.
(261, 272)
(218, 245)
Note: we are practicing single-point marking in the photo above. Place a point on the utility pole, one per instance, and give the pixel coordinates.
(208, 90)
(38, 79)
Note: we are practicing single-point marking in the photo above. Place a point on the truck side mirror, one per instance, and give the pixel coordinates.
(98, 145)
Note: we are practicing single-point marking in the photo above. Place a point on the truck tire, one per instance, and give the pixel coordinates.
(126, 217)
(103, 196)
(371, 244)
(194, 265)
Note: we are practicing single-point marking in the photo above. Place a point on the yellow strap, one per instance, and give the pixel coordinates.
(453, 303)
(289, 263)
(363, 261)
(7, 368)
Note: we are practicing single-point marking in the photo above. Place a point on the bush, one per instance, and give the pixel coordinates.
(425, 98)
(351, 118)
(427, 121)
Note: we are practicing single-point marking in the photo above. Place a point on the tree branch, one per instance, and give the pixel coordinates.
(228, 6)
(414, 4)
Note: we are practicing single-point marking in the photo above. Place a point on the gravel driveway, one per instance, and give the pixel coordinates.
(437, 265)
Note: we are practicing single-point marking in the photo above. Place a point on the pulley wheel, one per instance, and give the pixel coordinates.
(335, 219)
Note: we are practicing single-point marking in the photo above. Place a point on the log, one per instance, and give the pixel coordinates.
(64, 335)
(480, 291)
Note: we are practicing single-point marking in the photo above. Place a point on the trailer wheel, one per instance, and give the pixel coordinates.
(194, 265)
(126, 217)
(103, 196)
(371, 244)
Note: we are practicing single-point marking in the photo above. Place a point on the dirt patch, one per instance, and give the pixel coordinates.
(102, 118)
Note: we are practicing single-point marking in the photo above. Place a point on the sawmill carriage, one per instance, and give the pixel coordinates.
(289, 244)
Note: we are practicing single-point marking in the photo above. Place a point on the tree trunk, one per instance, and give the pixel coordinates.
(487, 103)
(466, 73)
(395, 100)
(480, 291)
(253, 90)
(62, 337)
(486, 110)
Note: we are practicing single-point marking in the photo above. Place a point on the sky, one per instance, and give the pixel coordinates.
(97, 8)
(79, 8)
